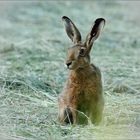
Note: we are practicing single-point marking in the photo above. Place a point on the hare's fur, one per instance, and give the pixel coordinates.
(82, 97)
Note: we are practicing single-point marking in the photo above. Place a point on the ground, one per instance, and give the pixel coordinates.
(33, 47)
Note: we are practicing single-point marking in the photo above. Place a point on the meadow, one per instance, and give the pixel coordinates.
(33, 46)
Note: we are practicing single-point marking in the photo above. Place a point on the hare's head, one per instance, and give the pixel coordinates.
(78, 54)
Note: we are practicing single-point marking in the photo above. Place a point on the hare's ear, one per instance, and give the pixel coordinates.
(71, 30)
(95, 32)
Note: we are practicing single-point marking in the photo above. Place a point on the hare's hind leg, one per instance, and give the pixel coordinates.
(97, 114)
(96, 117)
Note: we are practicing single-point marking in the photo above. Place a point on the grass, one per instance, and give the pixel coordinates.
(33, 48)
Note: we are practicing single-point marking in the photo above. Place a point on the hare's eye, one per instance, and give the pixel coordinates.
(82, 52)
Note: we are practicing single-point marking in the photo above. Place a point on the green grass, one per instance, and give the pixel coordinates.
(33, 48)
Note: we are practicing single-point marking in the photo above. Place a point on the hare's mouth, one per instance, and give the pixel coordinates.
(71, 67)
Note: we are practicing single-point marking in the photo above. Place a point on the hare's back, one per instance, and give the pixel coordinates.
(96, 71)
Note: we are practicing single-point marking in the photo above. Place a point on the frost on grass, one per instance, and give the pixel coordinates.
(32, 72)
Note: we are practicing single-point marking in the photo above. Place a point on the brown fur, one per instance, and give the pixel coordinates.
(82, 96)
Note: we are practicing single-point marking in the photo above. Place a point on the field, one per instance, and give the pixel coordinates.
(33, 47)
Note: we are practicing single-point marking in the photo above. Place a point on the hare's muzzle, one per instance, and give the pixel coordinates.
(68, 64)
(68, 116)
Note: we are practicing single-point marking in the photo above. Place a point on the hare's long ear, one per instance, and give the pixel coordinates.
(95, 32)
(71, 30)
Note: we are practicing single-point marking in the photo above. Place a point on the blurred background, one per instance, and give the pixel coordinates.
(33, 46)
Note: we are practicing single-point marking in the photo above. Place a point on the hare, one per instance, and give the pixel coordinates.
(82, 97)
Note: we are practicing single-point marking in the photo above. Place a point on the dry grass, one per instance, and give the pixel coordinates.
(32, 72)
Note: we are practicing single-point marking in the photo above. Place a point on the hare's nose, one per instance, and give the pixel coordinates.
(68, 64)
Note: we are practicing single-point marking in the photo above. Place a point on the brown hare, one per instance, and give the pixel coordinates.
(82, 97)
